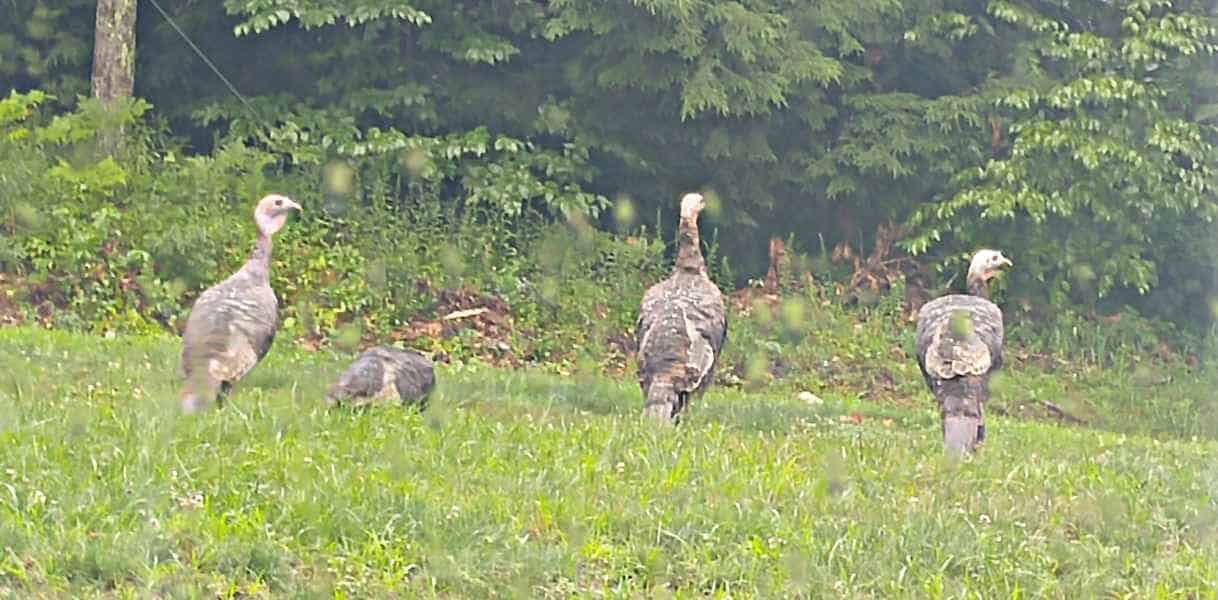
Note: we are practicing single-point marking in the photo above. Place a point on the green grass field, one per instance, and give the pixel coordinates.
(524, 484)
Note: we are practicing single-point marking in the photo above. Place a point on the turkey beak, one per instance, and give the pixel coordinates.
(288, 207)
(1002, 262)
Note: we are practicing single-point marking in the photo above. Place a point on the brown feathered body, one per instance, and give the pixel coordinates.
(383, 375)
(959, 344)
(681, 328)
(231, 328)
(233, 323)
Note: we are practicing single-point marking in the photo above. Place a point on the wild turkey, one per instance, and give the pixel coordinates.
(382, 374)
(681, 326)
(232, 324)
(959, 345)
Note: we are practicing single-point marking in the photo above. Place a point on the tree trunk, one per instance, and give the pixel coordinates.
(113, 60)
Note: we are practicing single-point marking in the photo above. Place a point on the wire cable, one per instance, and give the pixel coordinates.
(232, 88)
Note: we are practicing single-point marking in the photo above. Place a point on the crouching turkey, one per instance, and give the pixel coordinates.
(384, 374)
(959, 346)
(681, 327)
(233, 323)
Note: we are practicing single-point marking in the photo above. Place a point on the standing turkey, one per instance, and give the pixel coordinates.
(382, 374)
(681, 326)
(959, 345)
(233, 323)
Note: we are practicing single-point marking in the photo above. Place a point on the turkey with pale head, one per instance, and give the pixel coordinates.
(682, 326)
(959, 346)
(233, 323)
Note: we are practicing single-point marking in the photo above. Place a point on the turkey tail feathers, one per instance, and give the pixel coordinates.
(664, 402)
(959, 346)
(962, 403)
(961, 433)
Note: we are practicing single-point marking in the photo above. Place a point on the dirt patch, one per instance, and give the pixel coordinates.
(784, 275)
(10, 312)
(875, 273)
(622, 349)
(18, 296)
(465, 311)
(744, 301)
(1045, 410)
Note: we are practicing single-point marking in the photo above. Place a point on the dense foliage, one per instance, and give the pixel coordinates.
(121, 250)
(1079, 138)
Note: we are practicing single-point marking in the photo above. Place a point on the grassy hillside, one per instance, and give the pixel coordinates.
(520, 483)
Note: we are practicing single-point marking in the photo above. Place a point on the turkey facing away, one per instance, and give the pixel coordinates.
(959, 346)
(681, 326)
(232, 324)
(385, 374)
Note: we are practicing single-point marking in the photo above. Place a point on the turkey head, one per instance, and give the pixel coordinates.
(272, 213)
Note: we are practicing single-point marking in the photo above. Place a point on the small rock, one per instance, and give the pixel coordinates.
(811, 398)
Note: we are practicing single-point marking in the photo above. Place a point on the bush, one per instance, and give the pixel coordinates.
(128, 243)
(133, 241)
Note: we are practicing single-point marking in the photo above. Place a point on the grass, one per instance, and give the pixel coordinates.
(520, 483)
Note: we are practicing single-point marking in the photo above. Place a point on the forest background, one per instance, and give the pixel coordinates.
(497, 182)
(499, 178)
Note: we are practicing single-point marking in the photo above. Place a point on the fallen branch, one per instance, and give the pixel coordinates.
(461, 314)
(1061, 413)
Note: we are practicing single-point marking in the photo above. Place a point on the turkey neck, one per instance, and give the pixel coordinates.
(689, 252)
(259, 264)
(978, 286)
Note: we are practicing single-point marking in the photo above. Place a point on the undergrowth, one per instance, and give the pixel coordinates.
(378, 257)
